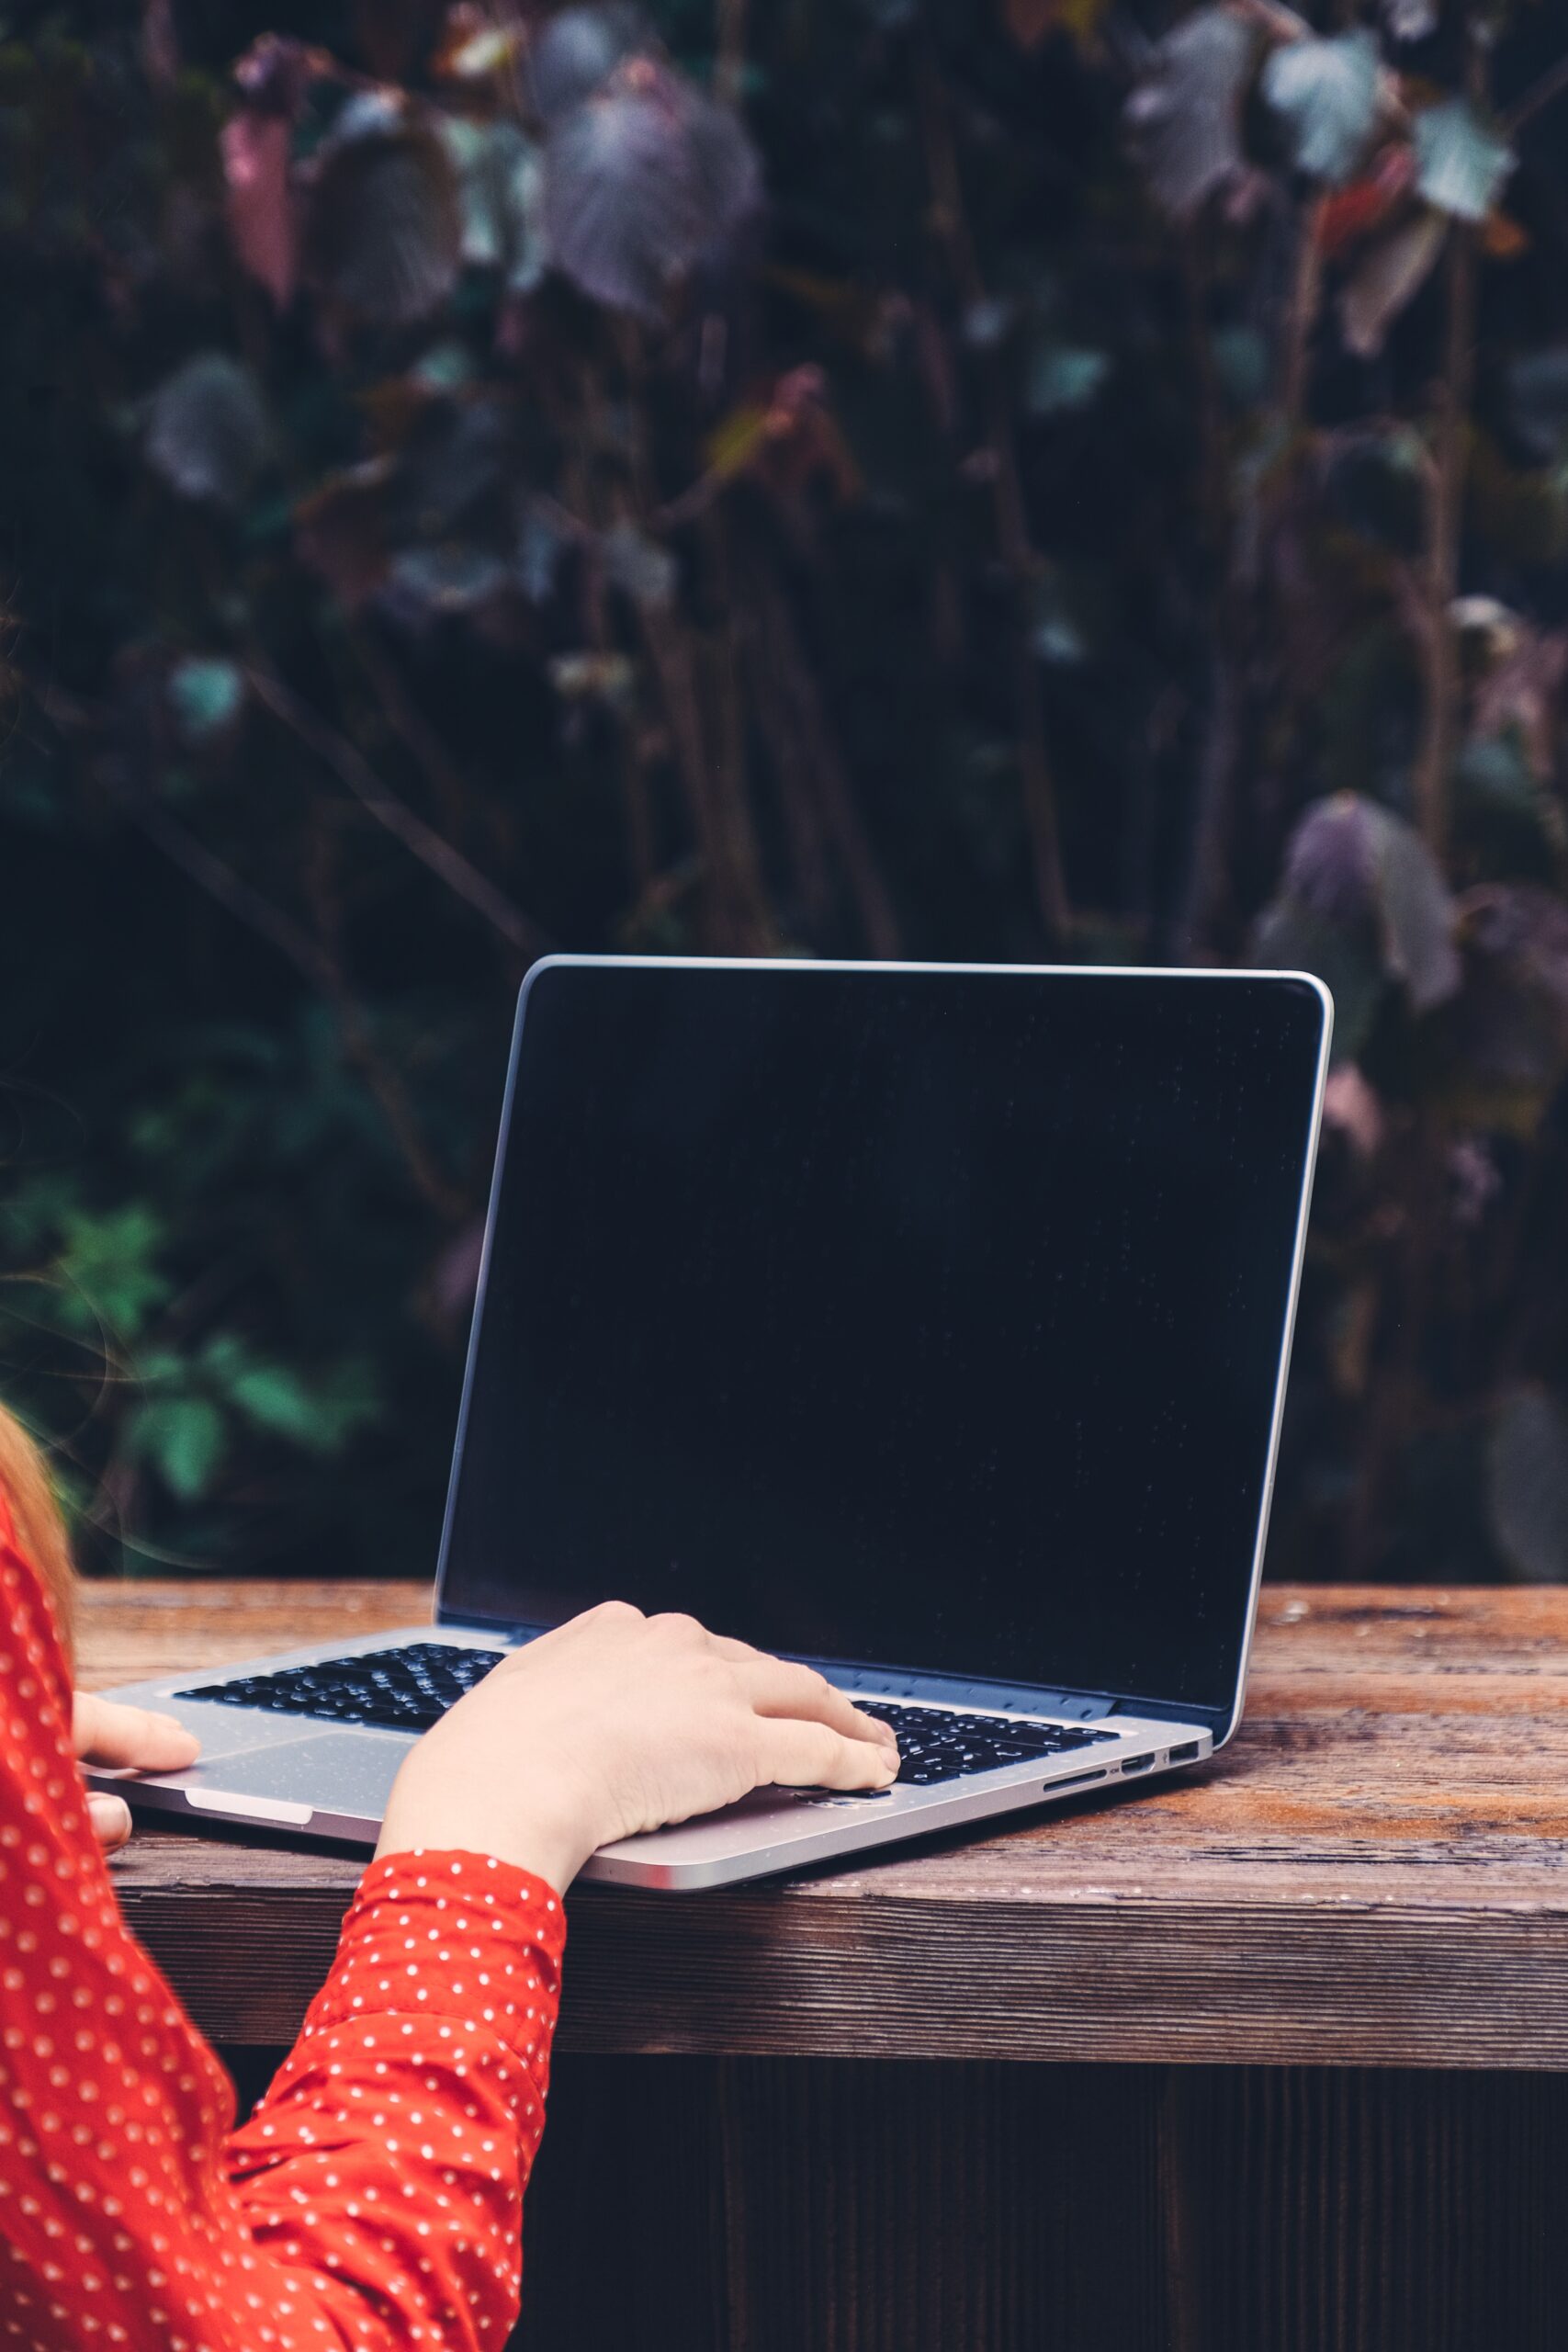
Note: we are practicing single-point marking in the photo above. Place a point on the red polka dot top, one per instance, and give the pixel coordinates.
(374, 2198)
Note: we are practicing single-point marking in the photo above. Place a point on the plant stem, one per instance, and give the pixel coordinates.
(1020, 559)
(353, 770)
(1439, 563)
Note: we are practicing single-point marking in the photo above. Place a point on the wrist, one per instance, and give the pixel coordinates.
(544, 1833)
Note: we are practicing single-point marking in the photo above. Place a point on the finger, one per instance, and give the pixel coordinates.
(797, 1754)
(107, 1732)
(779, 1686)
(110, 1818)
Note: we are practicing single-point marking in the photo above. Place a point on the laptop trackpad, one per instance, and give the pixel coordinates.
(333, 1771)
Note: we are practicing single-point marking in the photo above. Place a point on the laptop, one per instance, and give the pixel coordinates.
(927, 1322)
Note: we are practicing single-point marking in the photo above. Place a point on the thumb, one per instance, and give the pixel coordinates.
(110, 1818)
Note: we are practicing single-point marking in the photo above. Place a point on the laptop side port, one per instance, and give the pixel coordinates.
(1138, 1764)
(1184, 1753)
(1075, 1779)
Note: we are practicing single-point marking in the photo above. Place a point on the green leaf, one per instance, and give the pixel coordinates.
(1243, 364)
(1460, 162)
(182, 1437)
(1062, 377)
(1185, 116)
(204, 695)
(109, 1263)
(1327, 92)
(500, 180)
(1528, 1477)
(276, 1400)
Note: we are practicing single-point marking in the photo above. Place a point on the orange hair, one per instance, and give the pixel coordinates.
(40, 1530)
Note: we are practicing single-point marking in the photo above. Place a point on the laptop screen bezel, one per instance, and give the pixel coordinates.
(1220, 1720)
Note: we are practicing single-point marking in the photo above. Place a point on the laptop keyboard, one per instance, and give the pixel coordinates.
(410, 1689)
(936, 1745)
(406, 1690)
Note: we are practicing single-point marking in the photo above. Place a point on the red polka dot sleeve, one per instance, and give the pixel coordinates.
(374, 2199)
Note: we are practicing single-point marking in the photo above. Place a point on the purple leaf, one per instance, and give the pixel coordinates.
(385, 229)
(576, 51)
(207, 429)
(641, 182)
(1185, 116)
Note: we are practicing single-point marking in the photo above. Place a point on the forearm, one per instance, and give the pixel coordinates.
(384, 2168)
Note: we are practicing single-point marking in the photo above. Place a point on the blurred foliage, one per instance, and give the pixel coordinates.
(982, 478)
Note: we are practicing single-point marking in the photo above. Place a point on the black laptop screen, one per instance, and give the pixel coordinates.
(926, 1318)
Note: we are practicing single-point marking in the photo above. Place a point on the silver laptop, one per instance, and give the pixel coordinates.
(927, 1322)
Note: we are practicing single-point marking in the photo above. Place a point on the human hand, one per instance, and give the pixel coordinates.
(103, 1731)
(616, 1722)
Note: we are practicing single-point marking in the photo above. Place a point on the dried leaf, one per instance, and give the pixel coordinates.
(207, 429)
(1028, 21)
(473, 48)
(1504, 238)
(1460, 162)
(1185, 116)
(1389, 276)
(1350, 213)
(385, 229)
(1527, 1480)
(260, 203)
(1328, 93)
(340, 532)
(737, 440)
(641, 182)
(576, 50)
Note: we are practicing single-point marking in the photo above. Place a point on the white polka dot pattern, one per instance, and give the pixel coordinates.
(374, 2199)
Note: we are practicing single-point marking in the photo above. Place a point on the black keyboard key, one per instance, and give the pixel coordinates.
(396, 1689)
(938, 1744)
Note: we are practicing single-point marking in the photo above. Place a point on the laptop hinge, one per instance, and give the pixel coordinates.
(902, 1682)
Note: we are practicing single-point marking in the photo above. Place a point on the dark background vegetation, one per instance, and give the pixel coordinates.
(997, 479)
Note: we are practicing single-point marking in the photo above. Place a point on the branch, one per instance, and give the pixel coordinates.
(353, 770)
(1439, 567)
(229, 890)
(1550, 85)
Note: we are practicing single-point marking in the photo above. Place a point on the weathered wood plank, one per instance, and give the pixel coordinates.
(1374, 1873)
(774, 2204)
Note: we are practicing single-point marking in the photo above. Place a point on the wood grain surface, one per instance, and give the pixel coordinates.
(821, 2205)
(1374, 1873)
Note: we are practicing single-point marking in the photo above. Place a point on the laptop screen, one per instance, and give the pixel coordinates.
(931, 1318)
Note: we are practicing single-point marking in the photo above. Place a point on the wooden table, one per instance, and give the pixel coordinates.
(1297, 2025)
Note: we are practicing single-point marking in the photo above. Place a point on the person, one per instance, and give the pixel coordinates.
(373, 2198)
